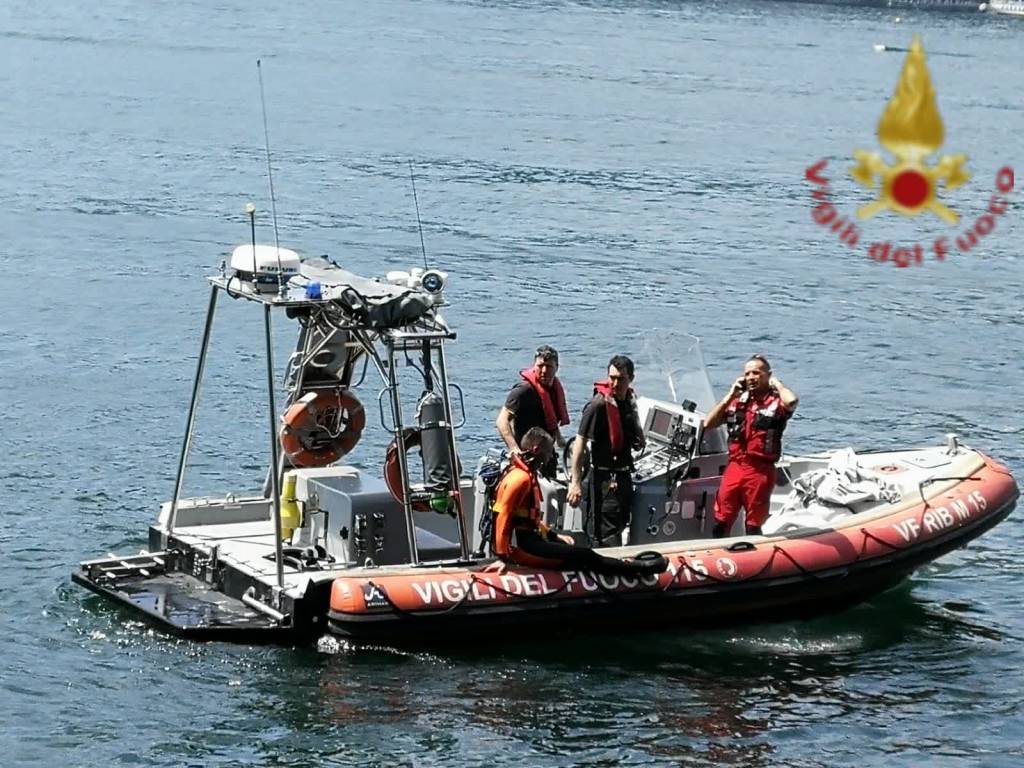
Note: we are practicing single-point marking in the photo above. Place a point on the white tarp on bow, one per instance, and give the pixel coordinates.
(822, 496)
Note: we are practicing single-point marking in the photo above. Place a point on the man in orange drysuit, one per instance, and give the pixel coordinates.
(755, 411)
(520, 536)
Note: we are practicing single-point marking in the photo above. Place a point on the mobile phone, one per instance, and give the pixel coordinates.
(743, 384)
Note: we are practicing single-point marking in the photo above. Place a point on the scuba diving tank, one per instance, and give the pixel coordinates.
(437, 466)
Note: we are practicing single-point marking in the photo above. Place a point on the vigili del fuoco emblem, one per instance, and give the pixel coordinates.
(911, 129)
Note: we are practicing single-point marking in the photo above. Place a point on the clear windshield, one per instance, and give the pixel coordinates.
(670, 367)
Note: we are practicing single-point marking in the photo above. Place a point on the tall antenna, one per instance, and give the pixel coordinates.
(270, 177)
(423, 247)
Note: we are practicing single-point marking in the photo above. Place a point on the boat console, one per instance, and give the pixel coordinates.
(676, 477)
(673, 434)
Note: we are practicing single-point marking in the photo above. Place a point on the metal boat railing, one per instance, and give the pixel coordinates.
(426, 336)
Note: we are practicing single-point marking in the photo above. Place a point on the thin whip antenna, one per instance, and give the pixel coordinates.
(270, 177)
(423, 247)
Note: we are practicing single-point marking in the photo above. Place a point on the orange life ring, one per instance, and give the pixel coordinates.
(321, 427)
(393, 472)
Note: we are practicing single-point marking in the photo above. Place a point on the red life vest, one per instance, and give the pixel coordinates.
(616, 434)
(552, 400)
(755, 424)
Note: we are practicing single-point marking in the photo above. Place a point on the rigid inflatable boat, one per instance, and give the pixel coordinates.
(400, 553)
(800, 571)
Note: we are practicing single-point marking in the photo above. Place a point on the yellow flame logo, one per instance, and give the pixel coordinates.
(911, 129)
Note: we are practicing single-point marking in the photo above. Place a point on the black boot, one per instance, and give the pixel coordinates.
(753, 530)
(719, 531)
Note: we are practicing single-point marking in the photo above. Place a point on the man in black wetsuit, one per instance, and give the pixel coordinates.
(538, 400)
(611, 426)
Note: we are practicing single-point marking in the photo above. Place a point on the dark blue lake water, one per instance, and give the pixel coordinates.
(586, 172)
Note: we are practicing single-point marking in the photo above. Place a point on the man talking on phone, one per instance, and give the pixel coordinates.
(755, 412)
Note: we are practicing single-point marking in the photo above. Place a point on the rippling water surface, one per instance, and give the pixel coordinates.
(586, 172)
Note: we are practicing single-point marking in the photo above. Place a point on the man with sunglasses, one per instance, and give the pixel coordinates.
(755, 411)
(538, 400)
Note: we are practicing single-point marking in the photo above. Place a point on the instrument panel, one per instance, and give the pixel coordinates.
(673, 435)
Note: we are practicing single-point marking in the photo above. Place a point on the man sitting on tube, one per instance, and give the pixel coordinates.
(521, 537)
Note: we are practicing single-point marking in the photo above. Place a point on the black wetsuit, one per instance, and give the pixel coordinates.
(608, 486)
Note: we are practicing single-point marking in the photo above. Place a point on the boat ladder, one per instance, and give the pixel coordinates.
(114, 569)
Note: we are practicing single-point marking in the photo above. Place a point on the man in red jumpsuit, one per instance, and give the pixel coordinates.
(755, 411)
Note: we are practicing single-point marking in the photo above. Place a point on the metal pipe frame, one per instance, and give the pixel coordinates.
(450, 432)
(305, 355)
(389, 373)
(190, 422)
(275, 505)
(249, 598)
(403, 464)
